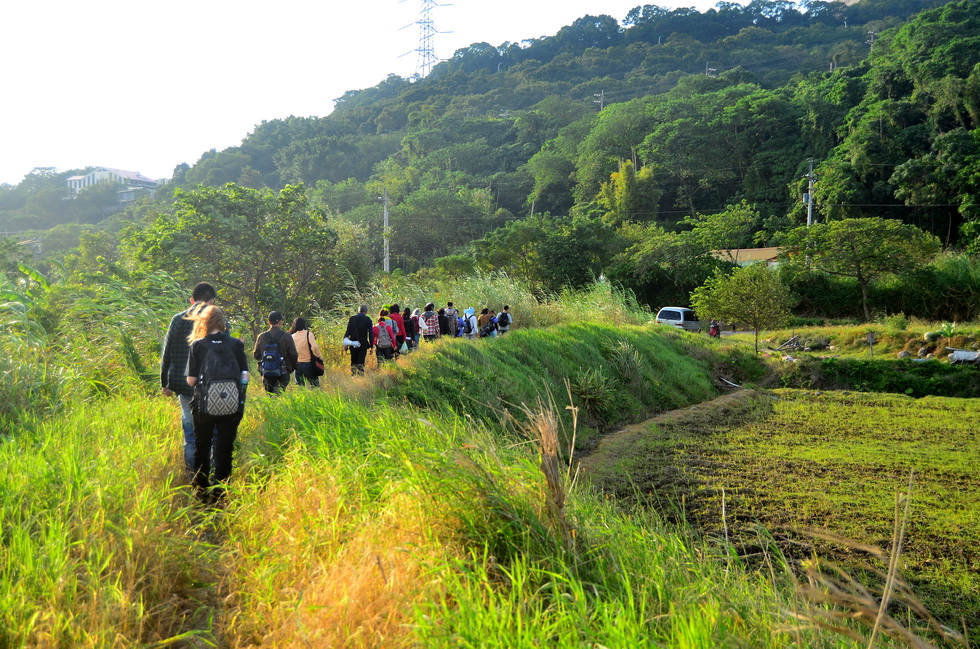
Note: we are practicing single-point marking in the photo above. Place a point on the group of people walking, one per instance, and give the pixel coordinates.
(398, 331)
(207, 369)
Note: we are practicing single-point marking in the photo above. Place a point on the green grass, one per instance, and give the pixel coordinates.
(98, 541)
(825, 461)
(369, 503)
(356, 522)
(616, 374)
(400, 510)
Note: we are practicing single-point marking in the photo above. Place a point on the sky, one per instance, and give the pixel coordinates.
(145, 86)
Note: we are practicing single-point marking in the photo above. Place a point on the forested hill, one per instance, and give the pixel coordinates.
(562, 158)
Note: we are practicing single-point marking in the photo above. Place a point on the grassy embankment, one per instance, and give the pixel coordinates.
(362, 520)
(828, 461)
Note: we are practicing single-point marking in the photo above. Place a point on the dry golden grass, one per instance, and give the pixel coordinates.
(312, 569)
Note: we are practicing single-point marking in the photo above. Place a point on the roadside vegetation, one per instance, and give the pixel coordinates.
(439, 502)
(816, 474)
(370, 515)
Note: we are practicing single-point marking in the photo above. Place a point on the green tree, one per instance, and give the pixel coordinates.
(863, 249)
(753, 295)
(630, 195)
(263, 250)
(726, 230)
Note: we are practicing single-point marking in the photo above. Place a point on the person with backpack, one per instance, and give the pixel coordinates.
(359, 329)
(504, 320)
(306, 349)
(411, 328)
(398, 326)
(217, 372)
(470, 327)
(173, 364)
(384, 339)
(453, 316)
(485, 323)
(429, 322)
(277, 356)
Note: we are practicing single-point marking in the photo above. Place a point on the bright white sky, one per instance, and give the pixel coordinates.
(145, 86)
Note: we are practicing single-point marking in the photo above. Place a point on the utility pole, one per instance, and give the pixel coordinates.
(809, 195)
(871, 39)
(600, 98)
(387, 261)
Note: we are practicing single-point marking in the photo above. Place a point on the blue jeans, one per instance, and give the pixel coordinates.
(187, 423)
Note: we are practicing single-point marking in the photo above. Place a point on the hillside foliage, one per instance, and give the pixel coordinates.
(625, 150)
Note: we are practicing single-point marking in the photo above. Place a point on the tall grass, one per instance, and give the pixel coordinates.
(601, 302)
(70, 343)
(376, 527)
(99, 548)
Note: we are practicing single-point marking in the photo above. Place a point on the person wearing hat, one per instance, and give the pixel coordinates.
(275, 380)
(471, 329)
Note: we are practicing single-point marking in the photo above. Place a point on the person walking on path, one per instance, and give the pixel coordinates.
(275, 351)
(306, 349)
(483, 321)
(398, 326)
(173, 364)
(429, 321)
(470, 328)
(504, 320)
(214, 434)
(444, 329)
(416, 316)
(384, 339)
(453, 316)
(359, 328)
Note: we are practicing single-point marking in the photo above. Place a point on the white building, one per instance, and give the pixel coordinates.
(131, 183)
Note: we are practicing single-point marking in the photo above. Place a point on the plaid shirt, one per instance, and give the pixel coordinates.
(174, 355)
(431, 322)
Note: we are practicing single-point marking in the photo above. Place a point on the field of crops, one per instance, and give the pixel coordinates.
(820, 472)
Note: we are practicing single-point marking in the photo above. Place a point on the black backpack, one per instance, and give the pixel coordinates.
(219, 382)
(503, 319)
(487, 329)
(272, 365)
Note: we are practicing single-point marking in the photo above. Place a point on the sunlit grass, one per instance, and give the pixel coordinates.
(827, 461)
(98, 548)
(382, 511)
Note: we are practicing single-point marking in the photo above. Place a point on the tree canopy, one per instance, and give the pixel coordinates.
(753, 295)
(262, 250)
(863, 249)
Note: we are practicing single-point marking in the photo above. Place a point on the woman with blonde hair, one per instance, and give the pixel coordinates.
(214, 356)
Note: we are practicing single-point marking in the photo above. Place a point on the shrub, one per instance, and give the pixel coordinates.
(895, 322)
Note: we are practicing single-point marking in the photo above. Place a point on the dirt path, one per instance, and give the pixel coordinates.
(616, 445)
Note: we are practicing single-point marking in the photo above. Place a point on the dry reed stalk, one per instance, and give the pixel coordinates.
(339, 576)
(543, 425)
(839, 598)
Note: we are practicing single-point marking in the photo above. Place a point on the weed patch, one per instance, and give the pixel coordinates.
(827, 461)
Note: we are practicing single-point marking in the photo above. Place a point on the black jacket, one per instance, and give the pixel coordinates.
(359, 329)
(286, 347)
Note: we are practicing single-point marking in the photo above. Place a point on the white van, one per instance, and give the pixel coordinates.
(680, 317)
